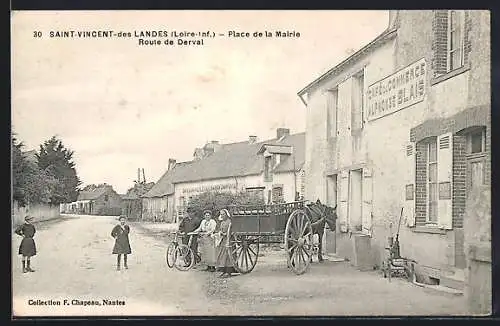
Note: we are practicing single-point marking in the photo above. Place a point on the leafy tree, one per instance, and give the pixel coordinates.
(30, 184)
(215, 201)
(19, 170)
(55, 160)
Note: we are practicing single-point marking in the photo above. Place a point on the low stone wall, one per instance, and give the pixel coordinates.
(39, 212)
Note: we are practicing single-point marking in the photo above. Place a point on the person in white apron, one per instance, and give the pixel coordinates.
(206, 240)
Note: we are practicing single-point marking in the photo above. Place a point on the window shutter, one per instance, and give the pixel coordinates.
(444, 178)
(409, 184)
(343, 201)
(440, 42)
(367, 201)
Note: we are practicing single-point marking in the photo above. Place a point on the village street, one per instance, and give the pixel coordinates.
(74, 261)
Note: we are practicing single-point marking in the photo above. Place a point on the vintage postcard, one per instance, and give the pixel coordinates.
(251, 163)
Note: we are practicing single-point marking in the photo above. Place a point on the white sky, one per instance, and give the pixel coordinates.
(120, 106)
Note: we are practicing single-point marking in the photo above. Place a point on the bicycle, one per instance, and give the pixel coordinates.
(180, 255)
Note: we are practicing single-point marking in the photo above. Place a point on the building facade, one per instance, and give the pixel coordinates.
(402, 128)
(103, 200)
(273, 169)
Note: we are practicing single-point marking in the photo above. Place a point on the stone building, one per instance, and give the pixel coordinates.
(272, 169)
(103, 200)
(403, 124)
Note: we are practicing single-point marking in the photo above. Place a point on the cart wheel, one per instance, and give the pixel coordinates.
(244, 251)
(298, 241)
(171, 254)
(184, 258)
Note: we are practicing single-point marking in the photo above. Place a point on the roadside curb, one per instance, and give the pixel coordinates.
(439, 288)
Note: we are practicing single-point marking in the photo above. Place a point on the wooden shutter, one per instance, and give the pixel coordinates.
(409, 184)
(343, 201)
(440, 42)
(444, 178)
(367, 201)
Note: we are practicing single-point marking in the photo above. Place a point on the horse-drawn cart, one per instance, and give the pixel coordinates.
(255, 225)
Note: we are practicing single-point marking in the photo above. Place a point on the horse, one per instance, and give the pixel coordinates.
(320, 214)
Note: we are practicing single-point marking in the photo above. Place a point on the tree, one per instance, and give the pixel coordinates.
(215, 201)
(19, 170)
(29, 183)
(56, 161)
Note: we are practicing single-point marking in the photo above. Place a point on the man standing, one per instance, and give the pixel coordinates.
(188, 224)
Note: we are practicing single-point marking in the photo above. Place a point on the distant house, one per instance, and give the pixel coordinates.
(272, 169)
(103, 200)
(158, 203)
(132, 201)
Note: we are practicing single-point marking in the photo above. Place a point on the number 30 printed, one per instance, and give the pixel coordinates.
(37, 34)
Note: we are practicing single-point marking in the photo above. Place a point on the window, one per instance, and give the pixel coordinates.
(106, 197)
(267, 168)
(455, 53)
(476, 141)
(431, 180)
(357, 101)
(332, 113)
(256, 192)
(277, 194)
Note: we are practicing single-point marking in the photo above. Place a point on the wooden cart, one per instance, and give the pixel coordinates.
(277, 223)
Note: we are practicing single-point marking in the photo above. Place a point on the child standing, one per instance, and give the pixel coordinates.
(122, 244)
(27, 248)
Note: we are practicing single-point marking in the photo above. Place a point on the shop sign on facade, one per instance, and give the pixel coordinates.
(397, 91)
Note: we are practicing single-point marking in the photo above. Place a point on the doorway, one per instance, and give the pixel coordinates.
(329, 236)
(356, 202)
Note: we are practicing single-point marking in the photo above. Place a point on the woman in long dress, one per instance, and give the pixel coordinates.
(223, 259)
(122, 244)
(27, 249)
(206, 240)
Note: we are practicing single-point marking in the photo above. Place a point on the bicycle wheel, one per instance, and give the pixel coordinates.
(171, 254)
(184, 258)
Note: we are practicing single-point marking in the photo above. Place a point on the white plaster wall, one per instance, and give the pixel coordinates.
(316, 146)
(289, 185)
(240, 182)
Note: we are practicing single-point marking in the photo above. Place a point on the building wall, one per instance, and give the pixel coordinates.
(291, 183)
(159, 209)
(112, 206)
(380, 146)
(327, 156)
(316, 145)
(191, 189)
(40, 212)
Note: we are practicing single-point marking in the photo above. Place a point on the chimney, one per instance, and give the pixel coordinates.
(280, 132)
(171, 163)
(198, 154)
(211, 147)
(252, 139)
(393, 19)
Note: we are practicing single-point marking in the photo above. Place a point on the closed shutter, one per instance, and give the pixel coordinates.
(343, 201)
(409, 185)
(444, 178)
(440, 42)
(367, 201)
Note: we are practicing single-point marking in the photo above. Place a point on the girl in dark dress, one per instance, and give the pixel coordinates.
(27, 248)
(122, 243)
